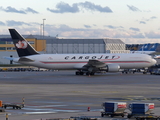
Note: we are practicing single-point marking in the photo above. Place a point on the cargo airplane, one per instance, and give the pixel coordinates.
(87, 64)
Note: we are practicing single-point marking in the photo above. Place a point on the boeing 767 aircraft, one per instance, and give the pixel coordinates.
(87, 64)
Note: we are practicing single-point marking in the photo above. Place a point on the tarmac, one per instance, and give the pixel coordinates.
(62, 94)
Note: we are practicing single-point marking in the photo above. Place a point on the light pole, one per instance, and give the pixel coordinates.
(43, 35)
(41, 30)
(43, 27)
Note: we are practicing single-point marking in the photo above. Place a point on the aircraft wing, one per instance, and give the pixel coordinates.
(11, 58)
(8, 58)
(94, 65)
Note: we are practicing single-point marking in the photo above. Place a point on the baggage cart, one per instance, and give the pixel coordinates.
(141, 110)
(114, 109)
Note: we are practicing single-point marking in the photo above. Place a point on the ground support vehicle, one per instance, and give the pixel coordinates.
(141, 111)
(113, 109)
(14, 106)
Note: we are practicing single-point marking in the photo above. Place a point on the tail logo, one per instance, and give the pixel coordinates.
(21, 44)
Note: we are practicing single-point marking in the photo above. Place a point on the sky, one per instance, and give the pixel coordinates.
(132, 21)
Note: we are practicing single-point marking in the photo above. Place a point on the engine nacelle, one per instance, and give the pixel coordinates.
(113, 68)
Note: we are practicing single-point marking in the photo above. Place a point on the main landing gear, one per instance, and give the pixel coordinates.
(82, 73)
(79, 73)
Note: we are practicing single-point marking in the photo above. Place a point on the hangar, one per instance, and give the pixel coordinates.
(85, 46)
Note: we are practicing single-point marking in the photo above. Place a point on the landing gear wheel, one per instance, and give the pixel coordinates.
(102, 115)
(81, 73)
(144, 72)
(77, 73)
(129, 116)
(112, 115)
(87, 73)
(92, 73)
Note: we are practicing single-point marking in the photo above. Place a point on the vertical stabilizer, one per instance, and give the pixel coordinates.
(145, 47)
(154, 47)
(22, 46)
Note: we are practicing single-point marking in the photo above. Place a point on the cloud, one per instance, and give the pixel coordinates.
(2, 23)
(16, 23)
(133, 8)
(66, 31)
(31, 10)
(91, 6)
(63, 7)
(149, 19)
(112, 27)
(155, 35)
(134, 29)
(13, 10)
(142, 22)
(153, 17)
(139, 35)
(87, 26)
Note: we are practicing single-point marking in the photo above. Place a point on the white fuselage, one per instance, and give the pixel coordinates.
(143, 52)
(77, 61)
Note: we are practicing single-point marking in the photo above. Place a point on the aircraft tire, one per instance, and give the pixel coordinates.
(87, 73)
(92, 73)
(81, 73)
(144, 72)
(77, 73)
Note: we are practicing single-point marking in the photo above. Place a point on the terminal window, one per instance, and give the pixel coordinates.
(2, 48)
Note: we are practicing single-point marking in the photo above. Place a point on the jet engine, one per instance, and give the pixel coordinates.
(111, 68)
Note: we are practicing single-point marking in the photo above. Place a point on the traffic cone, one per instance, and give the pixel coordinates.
(88, 108)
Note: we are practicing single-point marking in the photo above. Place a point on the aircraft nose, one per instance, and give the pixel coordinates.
(154, 61)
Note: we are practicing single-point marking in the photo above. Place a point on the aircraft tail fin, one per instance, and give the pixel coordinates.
(145, 47)
(21, 44)
(154, 47)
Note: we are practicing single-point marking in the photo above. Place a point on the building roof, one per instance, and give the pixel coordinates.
(113, 41)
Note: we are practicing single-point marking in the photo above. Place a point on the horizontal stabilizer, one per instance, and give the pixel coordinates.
(8, 58)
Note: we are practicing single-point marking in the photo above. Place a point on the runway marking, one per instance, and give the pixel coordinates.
(79, 91)
(91, 92)
(109, 91)
(135, 96)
